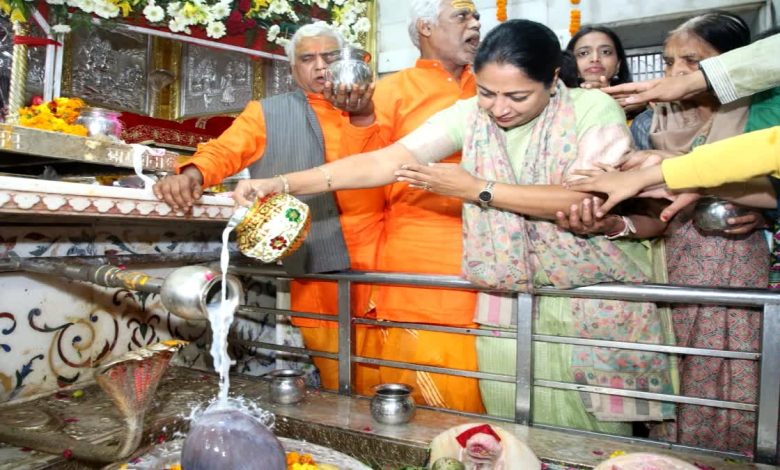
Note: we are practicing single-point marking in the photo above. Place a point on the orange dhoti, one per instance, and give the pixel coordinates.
(432, 349)
(326, 339)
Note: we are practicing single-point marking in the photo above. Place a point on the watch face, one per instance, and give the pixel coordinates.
(485, 196)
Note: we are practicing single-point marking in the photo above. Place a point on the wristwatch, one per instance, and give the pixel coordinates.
(628, 229)
(485, 196)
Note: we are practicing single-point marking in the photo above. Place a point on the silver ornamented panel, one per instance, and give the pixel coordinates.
(108, 68)
(214, 81)
(278, 77)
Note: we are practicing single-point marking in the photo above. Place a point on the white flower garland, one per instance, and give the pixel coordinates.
(348, 16)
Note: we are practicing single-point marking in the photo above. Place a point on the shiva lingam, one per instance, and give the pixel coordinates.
(185, 292)
(130, 381)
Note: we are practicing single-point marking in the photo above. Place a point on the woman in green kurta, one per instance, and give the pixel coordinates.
(521, 136)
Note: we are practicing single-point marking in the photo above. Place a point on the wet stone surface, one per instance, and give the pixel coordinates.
(341, 423)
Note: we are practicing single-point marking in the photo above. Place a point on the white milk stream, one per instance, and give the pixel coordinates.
(221, 317)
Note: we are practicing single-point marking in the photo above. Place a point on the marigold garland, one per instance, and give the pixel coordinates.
(296, 461)
(501, 10)
(56, 115)
(575, 18)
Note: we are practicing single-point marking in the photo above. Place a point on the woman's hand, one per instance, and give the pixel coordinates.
(447, 179)
(638, 159)
(602, 82)
(618, 186)
(679, 202)
(248, 190)
(745, 224)
(582, 221)
(661, 89)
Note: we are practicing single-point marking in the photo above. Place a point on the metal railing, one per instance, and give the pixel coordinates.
(768, 356)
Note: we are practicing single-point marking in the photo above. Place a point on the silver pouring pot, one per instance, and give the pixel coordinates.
(187, 291)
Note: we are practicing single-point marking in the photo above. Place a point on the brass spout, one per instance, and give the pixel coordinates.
(130, 381)
(186, 292)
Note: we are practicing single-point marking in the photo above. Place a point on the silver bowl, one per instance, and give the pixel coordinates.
(351, 68)
(392, 403)
(101, 122)
(287, 386)
(711, 214)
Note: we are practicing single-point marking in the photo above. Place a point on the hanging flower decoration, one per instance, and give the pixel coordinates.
(501, 10)
(217, 18)
(575, 18)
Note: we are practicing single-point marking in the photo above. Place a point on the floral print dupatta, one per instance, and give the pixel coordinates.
(504, 250)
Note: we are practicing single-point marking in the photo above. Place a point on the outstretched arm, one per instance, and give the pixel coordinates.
(365, 170)
(661, 89)
(541, 201)
(618, 186)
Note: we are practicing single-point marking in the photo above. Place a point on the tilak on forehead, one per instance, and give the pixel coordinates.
(463, 4)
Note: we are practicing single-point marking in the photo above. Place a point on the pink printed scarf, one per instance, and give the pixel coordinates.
(504, 250)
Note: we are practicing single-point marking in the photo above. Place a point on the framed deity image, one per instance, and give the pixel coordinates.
(108, 68)
(214, 81)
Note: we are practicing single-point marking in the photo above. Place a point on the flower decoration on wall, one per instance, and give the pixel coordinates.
(501, 10)
(217, 18)
(575, 17)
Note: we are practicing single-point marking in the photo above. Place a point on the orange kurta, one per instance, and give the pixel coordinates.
(422, 230)
(423, 234)
(360, 212)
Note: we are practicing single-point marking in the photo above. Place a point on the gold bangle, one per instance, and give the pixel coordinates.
(328, 178)
(285, 184)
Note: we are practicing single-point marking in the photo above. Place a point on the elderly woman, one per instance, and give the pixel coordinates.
(521, 136)
(737, 258)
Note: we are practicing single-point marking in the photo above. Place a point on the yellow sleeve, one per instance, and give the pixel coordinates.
(728, 161)
(235, 149)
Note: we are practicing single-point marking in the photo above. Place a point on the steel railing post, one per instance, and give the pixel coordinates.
(346, 331)
(523, 311)
(769, 393)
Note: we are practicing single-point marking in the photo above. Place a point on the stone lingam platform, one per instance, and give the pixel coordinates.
(330, 420)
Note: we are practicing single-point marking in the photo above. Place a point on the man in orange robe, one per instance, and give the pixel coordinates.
(423, 230)
(360, 211)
